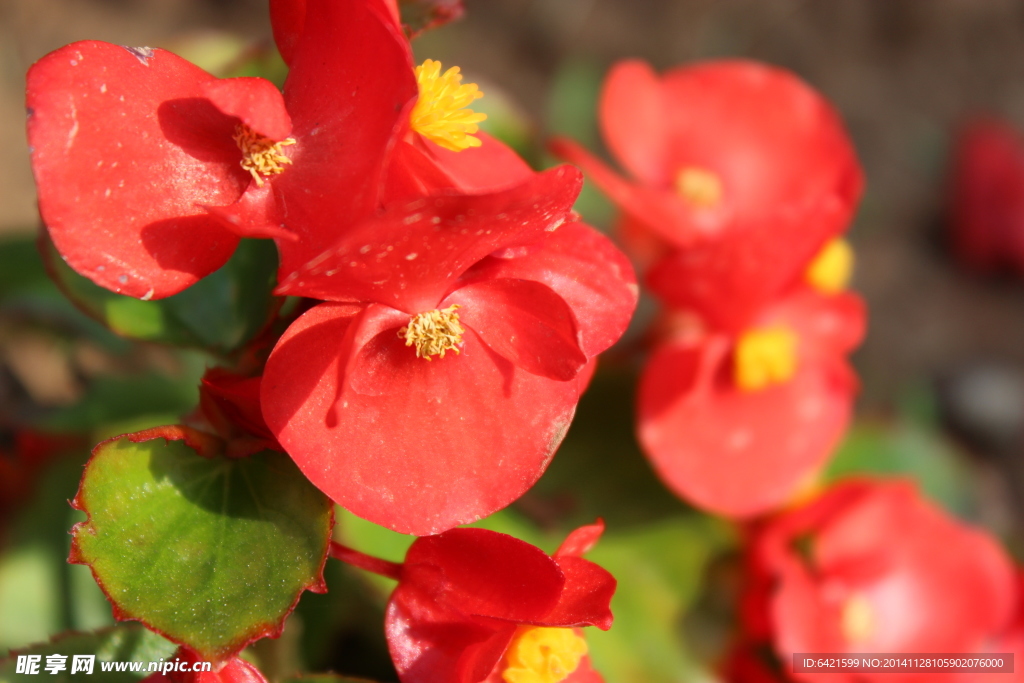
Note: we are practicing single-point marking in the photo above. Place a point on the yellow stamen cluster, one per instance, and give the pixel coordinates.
(700, 187)
(261, 156)
(543, 655)
(440, 114)
(857, 620)
(434, 333)
(764, 357)
(831, 269)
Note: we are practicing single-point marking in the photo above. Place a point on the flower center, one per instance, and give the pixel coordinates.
(831, 269)
(543, 655)
(440, 114)
(700, 187)
(764, 357)
(857, 619)
(261, 156)
(434, 332)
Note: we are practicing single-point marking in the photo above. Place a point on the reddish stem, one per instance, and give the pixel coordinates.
(392, 570)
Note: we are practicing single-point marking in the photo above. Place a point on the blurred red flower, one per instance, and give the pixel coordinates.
(872, 566)
(234, 670)
(149, 169)
(987, 218)
(740, 171)
(474, 605)
(436, 385)
(736, 424)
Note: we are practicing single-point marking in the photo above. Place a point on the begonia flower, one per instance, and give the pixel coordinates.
(229, 405)
(438, 144)
(736, 423)
(435, 384)
(740, 170)
(477, 606)
(179, 670)
(150, 169)
(872, 566)
(987, 212)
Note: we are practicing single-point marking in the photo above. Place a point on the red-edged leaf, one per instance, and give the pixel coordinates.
(443, 442)
(125, 151)
(212, 553)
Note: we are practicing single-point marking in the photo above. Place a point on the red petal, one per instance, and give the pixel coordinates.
(255, 214)
(256, 101)
(444, 442)
(934, 583)
(586, 597)
(287, 17)
(422, 167)
(524, 322)
(125, 151)
(236, 398)
(581, 540)
(479, 572)
(733, 452)
(656, 208)
(348, 91)
(448, 582)
(430, 646)
(633, 116)
(410, 256)
(588, 272)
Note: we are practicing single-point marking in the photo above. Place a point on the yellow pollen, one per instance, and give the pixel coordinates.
(831, 269)
(764, 357)
(543, 655)
(700, 187)
(261, 156)
(857, 620)
(440, 114)
(434, 332)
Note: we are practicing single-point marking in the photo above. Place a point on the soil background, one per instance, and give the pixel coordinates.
(903, 73)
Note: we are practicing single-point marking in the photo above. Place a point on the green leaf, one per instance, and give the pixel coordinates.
(221, 312)
(123, 643)
(660, 569)
(211, 552)
(905, 449)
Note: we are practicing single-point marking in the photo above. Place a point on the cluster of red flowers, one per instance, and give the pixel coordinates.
(742, 180)
(874, 567)
(463, 303)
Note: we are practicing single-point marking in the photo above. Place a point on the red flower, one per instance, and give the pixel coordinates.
(473, 605)
(741, 171)
(874, 567)
(149, 169)
(435, 386)
(229, 406)
(988, 197)
(736, 423)
(234, 670)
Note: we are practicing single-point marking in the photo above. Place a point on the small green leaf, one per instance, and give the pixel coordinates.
(221, 312)
(123, 643)
(211, 552)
